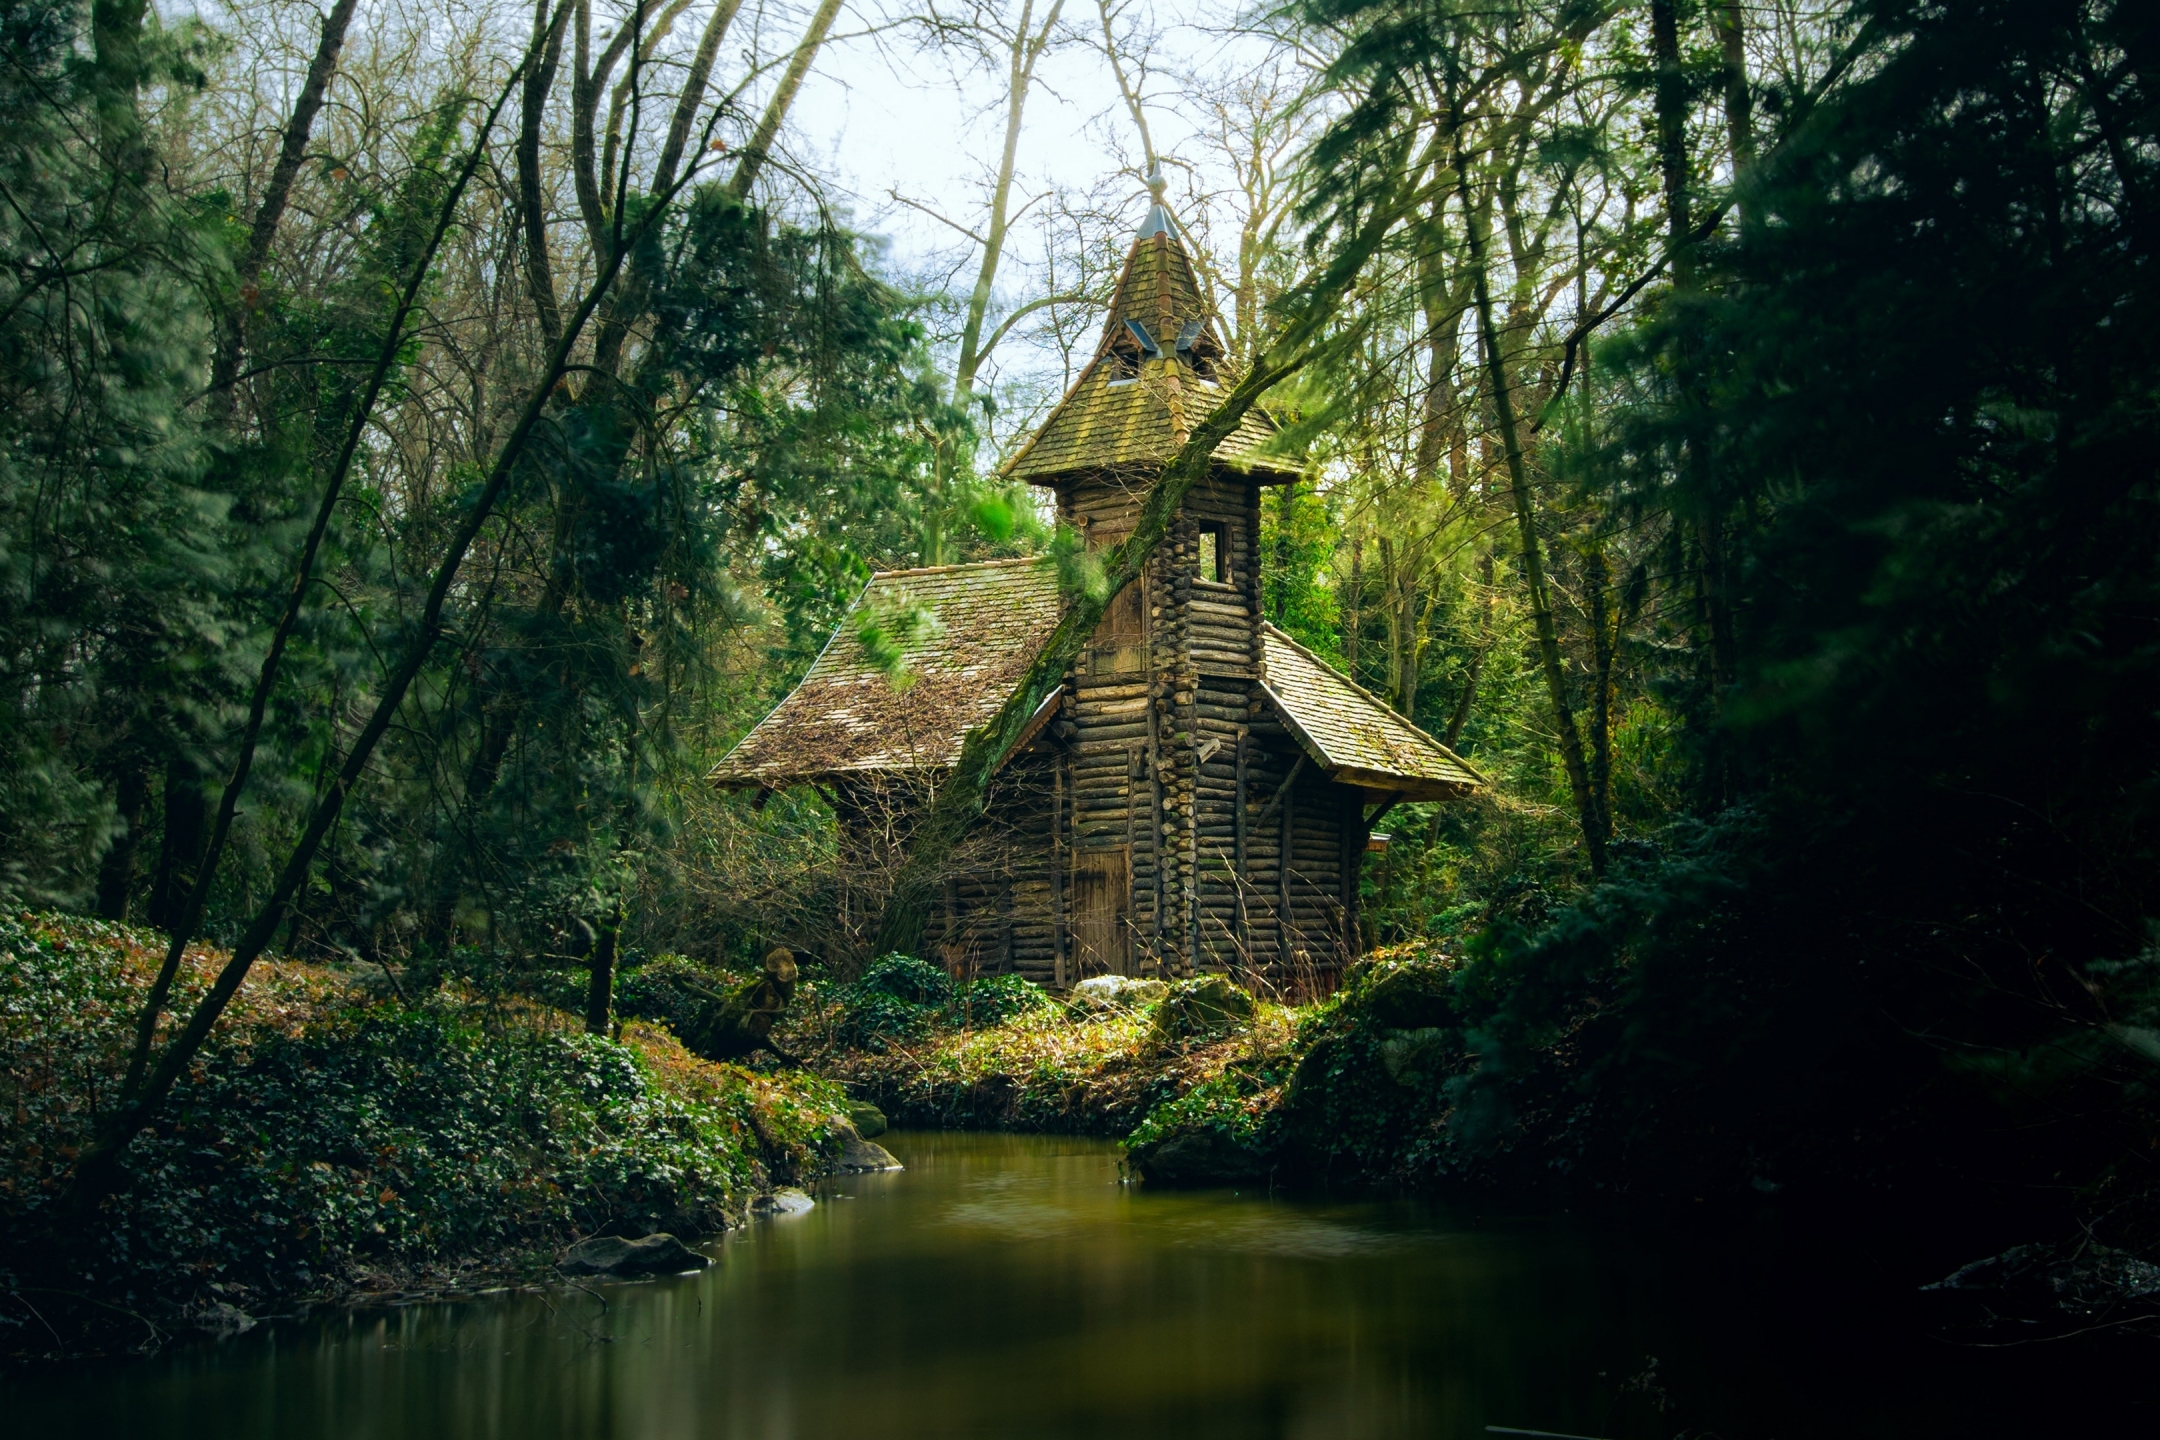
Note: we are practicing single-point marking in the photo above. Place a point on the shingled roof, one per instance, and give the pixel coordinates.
(1112, 417)
(1351, 734)
(849, 717)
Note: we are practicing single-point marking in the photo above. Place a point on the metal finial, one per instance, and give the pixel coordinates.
(1158, 216)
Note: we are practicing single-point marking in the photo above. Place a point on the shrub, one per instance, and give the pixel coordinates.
(996, 999)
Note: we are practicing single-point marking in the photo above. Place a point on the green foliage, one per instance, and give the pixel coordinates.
(904, 977)
(998, 1000)
(1297, 541)
(325, 1139)
(1202, 1008)
(900, 999)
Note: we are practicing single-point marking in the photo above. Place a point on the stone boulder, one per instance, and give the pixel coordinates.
(859, 1156)
(1204, 1008)
(1405, 994)
(869, 1121)
(1117, 992)
(1198, 1157)
(621, 1259)
(785, 1201)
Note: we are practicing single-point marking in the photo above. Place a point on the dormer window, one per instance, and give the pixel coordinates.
(1130, 346)
(1198, 347)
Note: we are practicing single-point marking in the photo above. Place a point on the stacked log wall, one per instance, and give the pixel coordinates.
(1151, 761)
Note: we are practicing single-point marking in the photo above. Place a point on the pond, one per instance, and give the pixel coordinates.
(1012, 1286)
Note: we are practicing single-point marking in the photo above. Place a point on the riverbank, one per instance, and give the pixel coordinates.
(334, 1144)
(1002, 1054)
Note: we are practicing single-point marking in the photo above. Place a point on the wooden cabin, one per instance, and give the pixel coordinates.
(1200, 794)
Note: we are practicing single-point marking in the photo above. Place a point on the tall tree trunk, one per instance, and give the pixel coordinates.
(759, 150)
(1597, 582)
(1701, 504)
(116, 875)
(1739, 100)
(1533, 560)
(1353, 623)
(600, 990)
(532, 193)
(299, 129)
(1461, 715)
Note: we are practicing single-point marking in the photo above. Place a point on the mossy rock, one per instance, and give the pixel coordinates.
(869, 1121)
(1406, 995)
(1203, 1009)
(1198, 1157)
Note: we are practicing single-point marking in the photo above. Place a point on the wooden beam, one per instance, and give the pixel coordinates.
(1281, 790)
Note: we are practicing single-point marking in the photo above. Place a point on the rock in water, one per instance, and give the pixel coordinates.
(858, 1155)
(223, 1320)
(614, 1256)
(1198, 1157)
(869, 1121)
(786, 1201)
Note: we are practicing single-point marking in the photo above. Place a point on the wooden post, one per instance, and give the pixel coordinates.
(1288, 802)
(1353, 862)
(1057, 872)
(1005, 923)
(1155, 826)
(1237, 812)
(1192, 854)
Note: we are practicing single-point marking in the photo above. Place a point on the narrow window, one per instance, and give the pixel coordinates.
(1215, 553)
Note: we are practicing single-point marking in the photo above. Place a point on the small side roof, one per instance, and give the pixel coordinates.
(1352, 735)
(848, 717)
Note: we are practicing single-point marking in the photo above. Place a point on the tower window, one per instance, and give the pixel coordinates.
(1215, 552)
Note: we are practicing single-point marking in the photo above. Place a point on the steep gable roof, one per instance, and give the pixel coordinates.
(1113, 418)
(849, 717)
(1352, 735)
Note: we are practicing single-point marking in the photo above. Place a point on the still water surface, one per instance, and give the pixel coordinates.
(1011, 1286)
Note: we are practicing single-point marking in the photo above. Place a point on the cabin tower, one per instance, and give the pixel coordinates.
(1200, 794)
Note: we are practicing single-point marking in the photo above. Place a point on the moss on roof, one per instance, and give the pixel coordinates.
(1351, 734)
(848, 716)
(1112, 419)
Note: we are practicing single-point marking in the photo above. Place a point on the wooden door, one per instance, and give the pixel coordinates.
(1102, 912)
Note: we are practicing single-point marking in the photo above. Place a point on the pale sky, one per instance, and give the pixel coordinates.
(882, 112)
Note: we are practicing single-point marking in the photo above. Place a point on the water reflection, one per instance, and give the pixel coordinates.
(1011, 1286)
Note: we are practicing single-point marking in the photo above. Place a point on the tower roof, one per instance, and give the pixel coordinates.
(1158, 370)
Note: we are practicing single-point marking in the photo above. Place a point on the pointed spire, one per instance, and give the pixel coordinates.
(1158, 217)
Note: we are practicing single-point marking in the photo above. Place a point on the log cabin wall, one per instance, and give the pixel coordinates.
(1176, 764)
(1160, 778)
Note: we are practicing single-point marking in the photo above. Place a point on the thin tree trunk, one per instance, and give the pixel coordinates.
(1476, 667)
(532, 193)
(1028, 45)
(759, 149)
(600, 990)
(1533, 561)
(116, 875)
(1597, 580)
(1739, 102)
(232, 324)
(693, 92)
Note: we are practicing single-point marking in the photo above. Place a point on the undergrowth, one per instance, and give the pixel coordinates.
(328, 1145)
